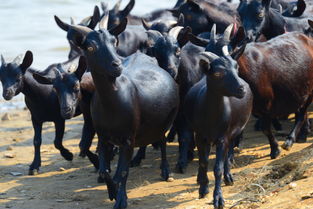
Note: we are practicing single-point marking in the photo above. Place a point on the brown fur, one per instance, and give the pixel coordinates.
(87, 83)
(279, 71)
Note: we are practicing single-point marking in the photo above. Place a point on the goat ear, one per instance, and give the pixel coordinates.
(204, 65)
(301, 6)
(128, 8)
(119, 28)
(27, 61)
(2, 60)
(95, 18)
(266, 4)
(181, 20)
(236, 54)
(310, 22)
(42, 79)
(64, 26)
(183, 36)
(82, 66)
(179, 3)
(194, 4)
(77, 35)
(175, 12)
(197, 40)
(77, 39)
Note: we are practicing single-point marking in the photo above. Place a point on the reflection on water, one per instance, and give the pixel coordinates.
(29, 25)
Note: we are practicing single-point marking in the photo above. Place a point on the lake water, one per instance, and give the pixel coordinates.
(29, 25)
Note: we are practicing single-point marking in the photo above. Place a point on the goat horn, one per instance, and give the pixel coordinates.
(103, 24)
(146, 24)
(72, 21)
(2, 60)
(213, 33)
(18, 59)
(209, 55)
(85, 21)
(175, 31)
(82, 29)
(227, 32)
(280, 8)
(117, 5)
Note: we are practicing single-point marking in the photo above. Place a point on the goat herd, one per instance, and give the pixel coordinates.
(198, 70)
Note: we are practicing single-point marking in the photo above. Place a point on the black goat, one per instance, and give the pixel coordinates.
(218, 108)
(41, 100)
(134, 105)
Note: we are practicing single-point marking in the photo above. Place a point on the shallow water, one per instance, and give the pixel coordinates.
(29, 25)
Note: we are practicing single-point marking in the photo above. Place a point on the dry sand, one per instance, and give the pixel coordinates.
(260, 182)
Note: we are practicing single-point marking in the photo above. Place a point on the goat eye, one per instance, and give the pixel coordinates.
(91, 49)
(261, 14)
(76, 87)
(218, 74)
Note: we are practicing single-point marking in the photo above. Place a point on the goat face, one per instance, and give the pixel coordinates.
(11, 75)
(222, 73)
(65, 82)
(251, 14)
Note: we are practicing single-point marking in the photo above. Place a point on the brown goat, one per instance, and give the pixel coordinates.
(280, 74)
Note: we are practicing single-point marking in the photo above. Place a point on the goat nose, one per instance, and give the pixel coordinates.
(10, 91)
(241, 88)
(116, 63)
(67, 109)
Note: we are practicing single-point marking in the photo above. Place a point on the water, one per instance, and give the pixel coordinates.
(29, 25)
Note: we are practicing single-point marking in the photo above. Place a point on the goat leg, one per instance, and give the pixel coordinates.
(37, 143)
(266, 126)
(202, 178)
(59, 133)
(120, 177)
(218, 200)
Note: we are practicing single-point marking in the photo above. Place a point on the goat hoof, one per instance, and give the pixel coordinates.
(228, 179)
(121, 200)
(180, 168)
(237, 150)
(274, 154)
(287, 144)
(218, 201)
(82, 154)
(67, 155)
(191, 156)
(33, 172)
(112, 189)
(100, 180)
(165, 174)
(203, 191)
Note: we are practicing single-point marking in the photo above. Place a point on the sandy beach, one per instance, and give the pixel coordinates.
(286, 182)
